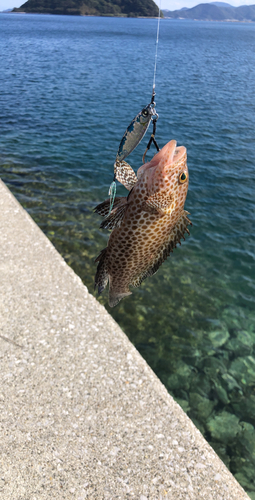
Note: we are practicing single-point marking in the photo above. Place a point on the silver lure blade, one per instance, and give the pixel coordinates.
(135, 132)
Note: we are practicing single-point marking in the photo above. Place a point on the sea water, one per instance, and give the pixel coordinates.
(69, 86)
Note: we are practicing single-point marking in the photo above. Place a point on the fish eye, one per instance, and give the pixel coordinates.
(182, 177)
(145, 112)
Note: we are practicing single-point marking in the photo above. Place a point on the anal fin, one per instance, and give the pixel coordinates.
(101, 278)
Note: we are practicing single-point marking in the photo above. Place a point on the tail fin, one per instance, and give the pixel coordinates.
(115, 298)
(117, 292)
(101, 278)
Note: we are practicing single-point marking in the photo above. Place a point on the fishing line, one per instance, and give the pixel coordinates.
(156, 51)
(155, 114)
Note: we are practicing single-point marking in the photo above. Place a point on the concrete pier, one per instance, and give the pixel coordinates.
(82, 416)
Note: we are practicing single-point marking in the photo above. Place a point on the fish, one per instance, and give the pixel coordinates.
(135, 132)
(147, 224)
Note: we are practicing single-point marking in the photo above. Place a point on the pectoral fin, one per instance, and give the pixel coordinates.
(125, 174)
(114, 219)
(158, 203)
(103, 208)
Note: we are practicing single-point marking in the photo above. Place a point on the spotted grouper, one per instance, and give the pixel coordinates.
(147, 224)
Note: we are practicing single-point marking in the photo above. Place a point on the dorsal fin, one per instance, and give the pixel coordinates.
(174, 237)
(101, 278)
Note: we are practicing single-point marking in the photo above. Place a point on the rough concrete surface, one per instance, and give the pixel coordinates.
(82, 416)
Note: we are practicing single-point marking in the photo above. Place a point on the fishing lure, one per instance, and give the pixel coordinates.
(135, 131)
(130, 140)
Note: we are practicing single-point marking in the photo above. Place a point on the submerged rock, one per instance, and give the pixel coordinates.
(224, 427)
(245, 408)
(201, 407)
(230, 382)
(219, 337)
(199, 425)
(183, 404)
(201, 384)
(243, 370)
(245, 477)
(241, 344)
(212, 366)
(181, 378)
(221, 393)
(221, 450)
(246, 439)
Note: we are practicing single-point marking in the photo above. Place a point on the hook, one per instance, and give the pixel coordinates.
(152, 137)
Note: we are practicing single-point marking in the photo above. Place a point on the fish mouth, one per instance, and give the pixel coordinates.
(168, 156)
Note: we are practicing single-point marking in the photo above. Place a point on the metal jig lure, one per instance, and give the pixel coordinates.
(136, 130)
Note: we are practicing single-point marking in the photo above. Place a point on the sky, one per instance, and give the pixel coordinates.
(165, 4)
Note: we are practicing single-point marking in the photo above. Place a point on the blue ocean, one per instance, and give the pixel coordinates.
(69, 87)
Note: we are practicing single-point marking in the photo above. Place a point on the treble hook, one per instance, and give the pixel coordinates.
(152, 137)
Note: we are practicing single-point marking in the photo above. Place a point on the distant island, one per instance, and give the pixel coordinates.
(215, 11)
(124, 8)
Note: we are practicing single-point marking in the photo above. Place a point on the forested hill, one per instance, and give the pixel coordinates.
(218, 11)
(129, 8)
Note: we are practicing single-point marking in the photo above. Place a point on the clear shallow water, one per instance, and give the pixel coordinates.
(69, 86)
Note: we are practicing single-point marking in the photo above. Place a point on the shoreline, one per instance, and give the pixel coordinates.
(247, 21)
